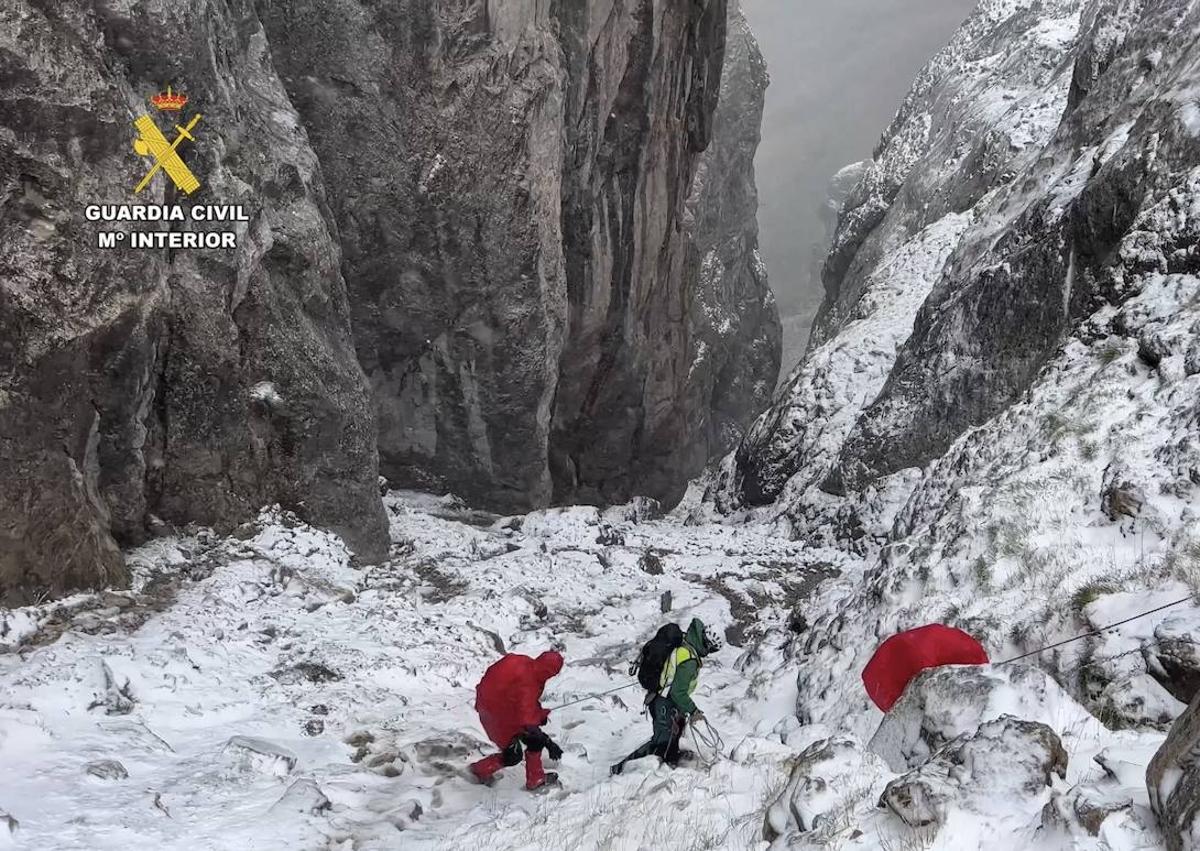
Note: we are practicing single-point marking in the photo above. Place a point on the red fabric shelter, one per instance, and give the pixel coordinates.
(906, 654)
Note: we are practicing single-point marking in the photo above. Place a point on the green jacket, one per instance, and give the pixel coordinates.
(682, 671)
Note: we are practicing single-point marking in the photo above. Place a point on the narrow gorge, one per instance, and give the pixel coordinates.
(492, 375)
(502, 249)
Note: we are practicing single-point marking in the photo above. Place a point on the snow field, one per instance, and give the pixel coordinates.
(290, 648)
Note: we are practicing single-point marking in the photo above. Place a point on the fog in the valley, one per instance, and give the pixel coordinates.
(839, 69)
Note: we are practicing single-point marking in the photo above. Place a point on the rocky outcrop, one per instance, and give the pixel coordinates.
(823, 776)
(1145, 679)
(944, 703)
(940, 158)
(1001, 765)
(192, 386)
(509, 182)
(1173, 779)
(735, 329)
(1035, 192)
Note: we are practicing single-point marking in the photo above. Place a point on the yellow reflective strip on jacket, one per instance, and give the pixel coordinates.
(677, 658)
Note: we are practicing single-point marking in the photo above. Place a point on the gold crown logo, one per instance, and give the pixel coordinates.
(169, 101)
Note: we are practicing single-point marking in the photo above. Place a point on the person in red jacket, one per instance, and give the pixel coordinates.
(508, 700)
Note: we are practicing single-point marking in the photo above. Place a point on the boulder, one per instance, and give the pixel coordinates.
(651, 563)
(310, 672)
(640, 509)
(1083, 810)
(576, 526)
(444, 754)
(1006, 762)
(304, 797)
(259, 756)
(821, 776)
(944, 703)
(114, 696)
(1143, 674)
(1172, 659)
(1173, 780)
(107, 769)
(1119, 496)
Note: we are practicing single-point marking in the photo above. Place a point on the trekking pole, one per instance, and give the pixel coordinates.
(593, 696)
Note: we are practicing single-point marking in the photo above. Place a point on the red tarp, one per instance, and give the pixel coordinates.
(906, 654)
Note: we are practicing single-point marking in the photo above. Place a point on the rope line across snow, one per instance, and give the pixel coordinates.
(592, 696)
(1099, 631)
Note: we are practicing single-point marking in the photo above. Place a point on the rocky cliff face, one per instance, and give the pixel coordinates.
(466, 267)
(509, 181)
(193, 386)
(983, 107)
(735, 328)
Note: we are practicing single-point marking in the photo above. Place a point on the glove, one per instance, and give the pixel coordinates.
(697, 717)
(554, 751)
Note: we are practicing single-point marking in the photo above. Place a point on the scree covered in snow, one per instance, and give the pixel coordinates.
(259, 691)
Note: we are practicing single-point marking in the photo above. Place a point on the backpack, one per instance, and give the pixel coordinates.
(654, 655)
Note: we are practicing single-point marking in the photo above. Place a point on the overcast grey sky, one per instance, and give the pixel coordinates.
(839, 69)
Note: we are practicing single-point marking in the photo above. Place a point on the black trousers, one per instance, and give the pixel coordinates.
(532, 738)
(668, 723)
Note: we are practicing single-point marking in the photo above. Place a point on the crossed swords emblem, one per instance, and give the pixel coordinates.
(151, 142)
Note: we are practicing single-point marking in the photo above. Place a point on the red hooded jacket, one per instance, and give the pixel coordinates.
(508, 698)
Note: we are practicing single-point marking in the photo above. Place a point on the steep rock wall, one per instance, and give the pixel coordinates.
(127, 386)
(491, 218)
(736, 333)
(510, 182)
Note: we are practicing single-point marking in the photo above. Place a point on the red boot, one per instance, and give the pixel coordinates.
(535, 777)
(486, 768)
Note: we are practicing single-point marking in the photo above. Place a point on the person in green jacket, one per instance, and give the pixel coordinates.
(672, 706)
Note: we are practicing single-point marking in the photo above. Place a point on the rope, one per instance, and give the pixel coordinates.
(707, 739)
(1099, 631)
(593, 696)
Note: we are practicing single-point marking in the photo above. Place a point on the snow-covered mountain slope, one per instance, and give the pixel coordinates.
(978, 114)
(1005, 402)
(277, 640)
(260, 692)
(999, 408)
